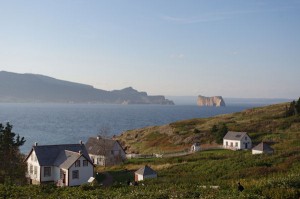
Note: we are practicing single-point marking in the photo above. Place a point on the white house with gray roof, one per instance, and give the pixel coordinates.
(65, 164)
(262, 148)
(105, 152)
(237, 140)
(144, 173)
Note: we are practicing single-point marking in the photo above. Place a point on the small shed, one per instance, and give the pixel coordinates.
(262, 148)
(144, 173)
(195, 147)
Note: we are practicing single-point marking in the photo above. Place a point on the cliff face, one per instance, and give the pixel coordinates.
(210, 101)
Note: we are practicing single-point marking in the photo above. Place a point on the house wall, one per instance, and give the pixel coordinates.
(85, 172)
(140, 177)
(114, 156)
(52, 177)
(256, 152)
(238, 144)
(232, 144)
(35, 175)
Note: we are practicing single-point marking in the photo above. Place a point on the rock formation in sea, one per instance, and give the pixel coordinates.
(210, 101)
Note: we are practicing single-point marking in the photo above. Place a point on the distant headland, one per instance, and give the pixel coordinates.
(22, 88)
(210, 101)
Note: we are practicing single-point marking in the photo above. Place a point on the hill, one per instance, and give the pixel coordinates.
(263, 124)
(38, 88)
(205, 174)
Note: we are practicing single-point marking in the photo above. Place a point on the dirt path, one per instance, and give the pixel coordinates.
(108, 181)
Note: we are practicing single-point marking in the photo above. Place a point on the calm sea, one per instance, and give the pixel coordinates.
(70, 123)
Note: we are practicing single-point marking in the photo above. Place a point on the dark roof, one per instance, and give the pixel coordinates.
(55, 155)
(97, 145)
(145, 170)
(231, 135)
(262, 147)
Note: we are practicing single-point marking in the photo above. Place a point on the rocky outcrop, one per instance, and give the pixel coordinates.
(210, 101)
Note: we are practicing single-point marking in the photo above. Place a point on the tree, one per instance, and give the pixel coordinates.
(297, 106)
(12, 166)
(292, 109)
(104, 134)
(219, 132)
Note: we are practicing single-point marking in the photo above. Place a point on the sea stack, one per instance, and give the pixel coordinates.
(210, 101)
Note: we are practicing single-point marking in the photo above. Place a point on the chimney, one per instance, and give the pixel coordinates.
(80, 152)
(35, 144)
(80, 142)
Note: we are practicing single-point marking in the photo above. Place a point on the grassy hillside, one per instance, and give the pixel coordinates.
(263, 124)
(263, 176)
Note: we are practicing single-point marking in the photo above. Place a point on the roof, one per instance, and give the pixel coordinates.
(59, 155)
(231, 135)
(262, 147)
(66, 158)
(145, 170)
(97, 145)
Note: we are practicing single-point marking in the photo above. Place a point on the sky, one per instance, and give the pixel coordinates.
(233, 48)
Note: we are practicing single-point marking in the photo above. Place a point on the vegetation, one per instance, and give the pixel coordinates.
(263, 124)
(219, 132)
(293, 109)
(205, 174)
(12, 167)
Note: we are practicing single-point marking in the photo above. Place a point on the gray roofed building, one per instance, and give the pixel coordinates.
(105, 152)
(145, 170)
(144, 173)
(262, 148)
(231, 135)
(237, 140)
(98, 145)
(64, 164)
(48, 154)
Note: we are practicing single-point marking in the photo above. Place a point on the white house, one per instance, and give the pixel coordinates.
(237, 140)
(144, 173)
(195, 147)
(262, 148)
(65, 164)
(105, 152)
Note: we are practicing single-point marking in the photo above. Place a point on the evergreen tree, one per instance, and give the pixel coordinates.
(292, 109)
(297, 106)
(12, 166)
(219, 132)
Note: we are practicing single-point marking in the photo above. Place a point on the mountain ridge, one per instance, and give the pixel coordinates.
(29, 87)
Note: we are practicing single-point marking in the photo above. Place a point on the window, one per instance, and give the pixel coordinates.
(246, 138)
(85, 163)
(47, 171)
(226, 143)
(35, 170)
(30, 169)
(75, 174)
(112, 152)
(77, 163)
(231, 144)
(236, 144)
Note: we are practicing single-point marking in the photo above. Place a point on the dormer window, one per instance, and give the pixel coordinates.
(77, 163)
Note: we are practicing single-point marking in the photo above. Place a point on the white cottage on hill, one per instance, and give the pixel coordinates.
(144, 173)
(237, 140)
(105, 152)
(262, 148)
(65, 164)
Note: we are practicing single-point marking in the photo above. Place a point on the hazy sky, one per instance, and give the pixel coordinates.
(231, 48)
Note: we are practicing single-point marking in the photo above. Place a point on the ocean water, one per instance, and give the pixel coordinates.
(70, 123)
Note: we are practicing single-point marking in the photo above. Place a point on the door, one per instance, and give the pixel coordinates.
(246, 145)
